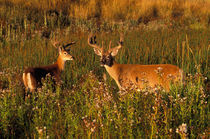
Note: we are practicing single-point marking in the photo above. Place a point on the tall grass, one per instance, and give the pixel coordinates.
(188, 11)
(85, 104)
(92, 109)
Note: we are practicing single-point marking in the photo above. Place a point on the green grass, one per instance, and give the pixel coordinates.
(87, 106)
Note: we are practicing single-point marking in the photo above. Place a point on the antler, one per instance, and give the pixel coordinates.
(71, 43)
(110, 43)
(121, 39)
(92, 42)
(67, 45)
(54, 43)
(120, 43)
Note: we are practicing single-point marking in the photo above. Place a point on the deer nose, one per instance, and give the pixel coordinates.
(103, 62)
(72, 58)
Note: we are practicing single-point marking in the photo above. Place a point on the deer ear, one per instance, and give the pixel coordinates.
(60, 49)
(97, 51)
(115, 51)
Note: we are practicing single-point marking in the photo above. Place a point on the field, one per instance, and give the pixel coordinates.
(88, 103)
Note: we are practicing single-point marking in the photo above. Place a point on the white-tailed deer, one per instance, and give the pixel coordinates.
(32, 76)
(133, 75)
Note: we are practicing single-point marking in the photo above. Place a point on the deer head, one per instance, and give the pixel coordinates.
(107, 57)
(64, 50)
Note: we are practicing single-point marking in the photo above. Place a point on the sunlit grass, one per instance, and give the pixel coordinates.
(92, 109)
(87, 105)
(124, 10)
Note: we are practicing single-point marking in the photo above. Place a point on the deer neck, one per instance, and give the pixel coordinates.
(112, 70)
(60, 63)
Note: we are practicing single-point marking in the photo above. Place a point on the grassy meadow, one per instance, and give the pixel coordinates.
(87, 103)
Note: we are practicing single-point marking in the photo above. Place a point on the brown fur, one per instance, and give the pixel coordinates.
(126, 75)
(37, 73)
(134, 75)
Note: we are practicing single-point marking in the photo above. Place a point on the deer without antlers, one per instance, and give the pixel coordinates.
(32, 76)
(129, 75)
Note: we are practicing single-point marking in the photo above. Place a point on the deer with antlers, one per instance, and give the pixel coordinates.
(32, 76)
(129, 75)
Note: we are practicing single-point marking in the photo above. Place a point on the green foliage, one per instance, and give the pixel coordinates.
(84, 104)
(91, 109)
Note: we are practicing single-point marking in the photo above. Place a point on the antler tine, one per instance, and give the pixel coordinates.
(120, 43)
(69, 44)
(110, 43)
(102, 44)
(54, 43)
(92, 41)
(121, 39)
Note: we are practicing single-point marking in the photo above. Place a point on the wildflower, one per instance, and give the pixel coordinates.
(58, 104)
(39, 130)
(132, 121)
(169, 75)
(177, 130)
(159, 71)
(156, 89)
(160, 68)
(93, 129)
(182, 130)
